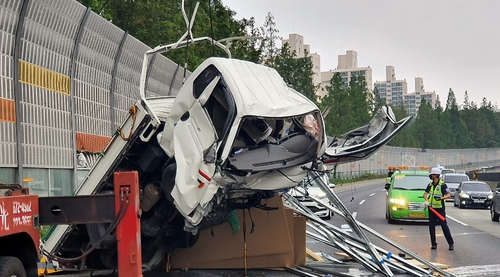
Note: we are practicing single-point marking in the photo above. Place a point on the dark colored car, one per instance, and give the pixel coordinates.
(495, 204)
(453, 180)
(473, 194)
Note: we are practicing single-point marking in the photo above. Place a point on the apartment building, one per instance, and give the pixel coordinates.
(392, 90)
(430, 97)
(296, 43)
(395, 92)
(347, 67)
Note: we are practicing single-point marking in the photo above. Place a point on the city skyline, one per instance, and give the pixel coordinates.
(450, 44)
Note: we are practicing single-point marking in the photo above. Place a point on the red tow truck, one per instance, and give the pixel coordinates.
(22, 214)
(19, 232)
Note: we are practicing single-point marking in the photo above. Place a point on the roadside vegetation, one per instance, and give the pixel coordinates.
(44, 230)
(364, 177)
(158, 22)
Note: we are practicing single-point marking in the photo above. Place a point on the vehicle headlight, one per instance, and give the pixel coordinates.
(490, 196)
(464, 195)
(398, 201)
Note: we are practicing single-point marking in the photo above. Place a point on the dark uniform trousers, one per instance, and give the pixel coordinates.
(433, 221)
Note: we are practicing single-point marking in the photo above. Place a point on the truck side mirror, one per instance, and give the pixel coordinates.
(387, 186)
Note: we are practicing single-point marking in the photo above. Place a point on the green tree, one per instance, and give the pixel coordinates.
(157, 22)
(337, 97)
(99, 7)
(160, 22)
(466, 101)
(438, 106)
(479, 125)
(270, 35)
(247, 49)
(486, 116)
(351, 104)
(442, 135)
(377, 100)
(296, 72)
(360, 101)
(427, 126)
(457, 130)
(407, 136)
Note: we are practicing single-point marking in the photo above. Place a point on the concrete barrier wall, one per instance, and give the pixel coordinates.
(491, 178)
(387, 156)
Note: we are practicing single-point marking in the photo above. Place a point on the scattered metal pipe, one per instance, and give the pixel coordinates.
(357, 247)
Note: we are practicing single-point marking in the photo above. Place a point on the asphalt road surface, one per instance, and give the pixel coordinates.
(477, 238)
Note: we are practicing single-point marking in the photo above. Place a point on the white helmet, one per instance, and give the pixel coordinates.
(435, 170)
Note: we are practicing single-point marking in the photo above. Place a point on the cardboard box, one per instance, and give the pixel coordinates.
(278, 241)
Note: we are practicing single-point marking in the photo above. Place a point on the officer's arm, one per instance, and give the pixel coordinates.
(446, 192)
(426, 193)
(446, 196)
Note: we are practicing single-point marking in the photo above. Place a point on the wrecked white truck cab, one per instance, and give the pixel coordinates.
(235, 126)
(234, 136)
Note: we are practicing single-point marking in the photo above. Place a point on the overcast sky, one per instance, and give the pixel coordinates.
(449, 43)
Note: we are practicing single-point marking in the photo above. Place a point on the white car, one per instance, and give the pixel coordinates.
(447, 170)
(453, 180)
(309, 187)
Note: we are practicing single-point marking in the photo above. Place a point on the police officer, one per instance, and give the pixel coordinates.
(435, 194)
(389, 175)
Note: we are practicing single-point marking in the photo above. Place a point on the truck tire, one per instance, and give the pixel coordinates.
(11, 267)
(168, 181)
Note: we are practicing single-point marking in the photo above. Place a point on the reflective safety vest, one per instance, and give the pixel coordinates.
(435, 191)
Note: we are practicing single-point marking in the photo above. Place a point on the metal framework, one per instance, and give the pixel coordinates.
(183, 42)
(358, 247)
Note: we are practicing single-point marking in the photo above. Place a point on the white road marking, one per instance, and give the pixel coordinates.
(457, 221)
(476, 270)
(354, 214)
(383, 190)
(372, 194)
(362, 201)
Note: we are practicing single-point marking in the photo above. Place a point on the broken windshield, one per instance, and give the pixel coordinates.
(411, 182)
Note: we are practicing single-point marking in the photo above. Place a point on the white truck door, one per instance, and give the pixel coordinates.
(194, 140)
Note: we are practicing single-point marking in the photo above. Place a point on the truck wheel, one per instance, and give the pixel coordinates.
(168, 181)
(11, 267)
